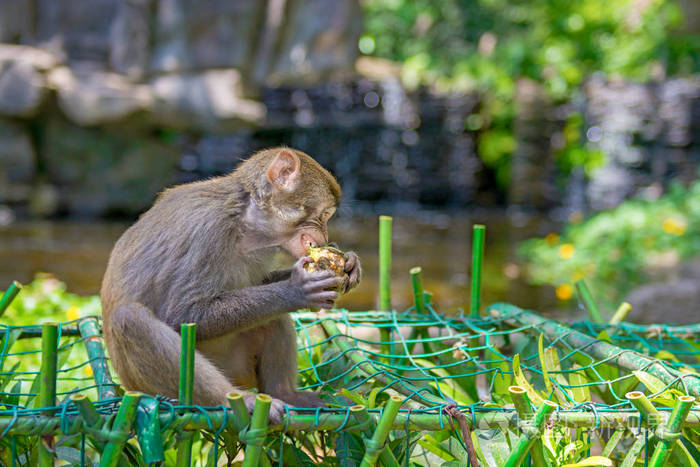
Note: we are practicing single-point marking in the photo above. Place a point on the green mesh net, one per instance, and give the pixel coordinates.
(403, 389)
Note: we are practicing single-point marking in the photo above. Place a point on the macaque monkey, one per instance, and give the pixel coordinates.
(203, 254)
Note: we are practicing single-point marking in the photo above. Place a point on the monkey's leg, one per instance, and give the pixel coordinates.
(146, 355)
(277, 365)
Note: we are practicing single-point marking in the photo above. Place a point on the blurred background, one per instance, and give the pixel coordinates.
(571, 129)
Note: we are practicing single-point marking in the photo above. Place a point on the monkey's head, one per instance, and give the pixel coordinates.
(292, 198)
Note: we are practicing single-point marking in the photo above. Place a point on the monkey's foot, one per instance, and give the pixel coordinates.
(277, 409)
(303, 400)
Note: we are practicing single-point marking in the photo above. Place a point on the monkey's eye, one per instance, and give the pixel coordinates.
(327, 214)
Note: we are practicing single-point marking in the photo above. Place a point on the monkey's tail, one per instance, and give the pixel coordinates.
(146, 354)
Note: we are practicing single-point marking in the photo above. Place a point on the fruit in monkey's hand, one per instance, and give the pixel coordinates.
(330, 259)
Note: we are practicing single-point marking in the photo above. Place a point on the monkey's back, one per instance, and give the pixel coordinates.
(177, 250)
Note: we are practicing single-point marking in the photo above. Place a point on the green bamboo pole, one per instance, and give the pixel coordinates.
(90, 332)
(417, 282)
(187, 346)
(621, 313)
(671, 431)
(479, 233)
(91, 419)
(9, 295)
(649, 414)
(363, 419)
(595, 348)
(524, 408)
(589, 304)
(122, 426)
(328, 421)
(241, 417)
(148, 431)
(528, 438)
(385, 279)
(374, 446)
(47, 388)
(257, 431)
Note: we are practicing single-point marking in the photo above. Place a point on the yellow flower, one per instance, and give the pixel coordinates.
(564, 292)
(87, 370)
(673, 226)
(72, 313)
(566, 251)
(552, 239)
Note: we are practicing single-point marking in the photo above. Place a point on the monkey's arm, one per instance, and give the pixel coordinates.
(276, 276)
(241, 309)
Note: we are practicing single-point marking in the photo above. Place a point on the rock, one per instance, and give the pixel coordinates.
(80, 30)
(37, 58)
(319, 37)
(170, 52)
(108, 169)
(15, 21)
(212, 100)
(130, 38)
(91, 97)
(17, 162)
(22, 89)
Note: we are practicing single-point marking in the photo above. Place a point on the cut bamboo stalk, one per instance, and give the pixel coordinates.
(362, 418)
(241, 417)
(417, 282)
(528, 438)
(621, 313)
(589, 304)
(479, 233)
(47, 387)
(90, 416)
(649, 414)
(122, 426)
(524, 408)
(186, 388)
(671, 430)
(90, 332)
(375, 445)
(258, 425)
(385, 280)
(598, 350)
(9, 295)
(148, 431)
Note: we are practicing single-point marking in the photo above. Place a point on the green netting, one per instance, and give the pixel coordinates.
(451, 374)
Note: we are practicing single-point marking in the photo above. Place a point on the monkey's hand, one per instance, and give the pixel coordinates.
(312, 289)
(353, 269)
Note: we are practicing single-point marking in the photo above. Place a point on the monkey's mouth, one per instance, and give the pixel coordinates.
(307, 242)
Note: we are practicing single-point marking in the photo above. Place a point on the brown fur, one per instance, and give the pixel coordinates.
(202, 254)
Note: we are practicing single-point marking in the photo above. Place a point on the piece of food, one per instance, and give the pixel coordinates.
(328, 258)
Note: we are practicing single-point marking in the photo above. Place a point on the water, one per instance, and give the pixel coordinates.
(77, 252)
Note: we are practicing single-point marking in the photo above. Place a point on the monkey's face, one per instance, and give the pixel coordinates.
(311, 232)
(303, 197)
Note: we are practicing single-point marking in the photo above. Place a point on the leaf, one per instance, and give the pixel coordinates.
(430, 444)
(453, 390)
(592, 461)
(580, 394)
(492, 446)
(6, 344)
(349, 449)
(353, 396)
(652, 383)
(543, 364)
(68, 454)
(520, 379)
(372, 398)
(294, 457)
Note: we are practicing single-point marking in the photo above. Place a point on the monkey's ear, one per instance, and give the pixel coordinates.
(284, 170)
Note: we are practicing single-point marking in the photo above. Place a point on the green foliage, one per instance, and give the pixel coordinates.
(487, 45)
(615, 250)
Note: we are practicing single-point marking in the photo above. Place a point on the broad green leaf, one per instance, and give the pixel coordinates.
(349, 449)
(500, 378)
(491, 447)
(520, 380)
(453, 390)
(652, 383)
(292, 456)
(592, 461)
(666, 355)
(433, 446)
(582, 393)
(543, 363)
(355, 397)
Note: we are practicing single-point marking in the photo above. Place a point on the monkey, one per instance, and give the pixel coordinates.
(203, 253)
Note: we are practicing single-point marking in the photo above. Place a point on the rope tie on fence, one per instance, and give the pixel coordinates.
(454, 413)
(663, 433)
(253, 436)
